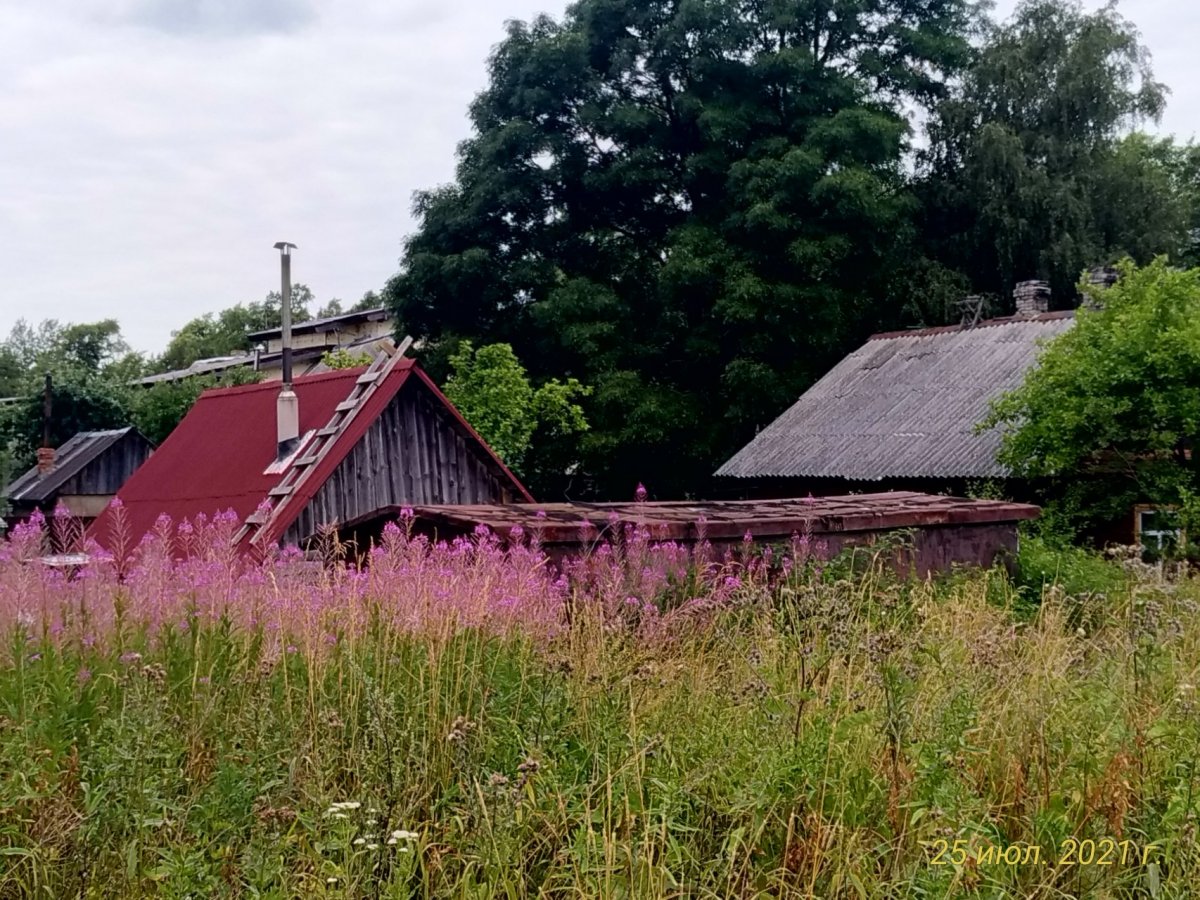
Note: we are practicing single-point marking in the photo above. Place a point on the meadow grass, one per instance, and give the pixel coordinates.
(461, 721)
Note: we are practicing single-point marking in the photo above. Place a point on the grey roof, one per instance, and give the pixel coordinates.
(69, 461)
(329, 323)
(904, 405)
(221, 364)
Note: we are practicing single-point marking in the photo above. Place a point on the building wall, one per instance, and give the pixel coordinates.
(344, 335)
(107, 473)
(415, 453)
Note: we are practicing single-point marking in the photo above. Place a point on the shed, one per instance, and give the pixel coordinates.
(84, 474)
(901, 411)
(368, 439)
(945, 531)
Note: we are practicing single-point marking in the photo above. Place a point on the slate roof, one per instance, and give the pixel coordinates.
(69, 460)
(904, 405)
(216, 458)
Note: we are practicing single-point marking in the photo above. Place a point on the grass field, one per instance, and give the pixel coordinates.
(464, 722)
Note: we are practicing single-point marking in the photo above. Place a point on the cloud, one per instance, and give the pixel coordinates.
(215, 17)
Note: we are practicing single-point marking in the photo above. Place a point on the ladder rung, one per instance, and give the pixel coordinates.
(306, 460)
(345, 406)
(368, 377)
(329, 432)
(281, 490)
(256, 518)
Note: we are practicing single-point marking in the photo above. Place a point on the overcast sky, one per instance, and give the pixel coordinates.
(152, 151)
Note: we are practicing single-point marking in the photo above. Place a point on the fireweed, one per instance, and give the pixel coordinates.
(187, 574)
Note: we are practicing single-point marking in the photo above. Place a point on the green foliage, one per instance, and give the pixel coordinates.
(1113, 410)
(492, 391)
(345, 359)
(1028, 172)
(157, 409)
(694, 208)
(782, 750)
(1043, 563)
(226, 333)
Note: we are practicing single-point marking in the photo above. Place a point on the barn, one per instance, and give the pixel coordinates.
(325, 449)
(83, 475)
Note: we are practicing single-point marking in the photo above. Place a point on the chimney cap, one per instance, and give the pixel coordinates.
(284, 247)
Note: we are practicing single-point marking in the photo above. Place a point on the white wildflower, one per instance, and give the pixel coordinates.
(372, 846)
(402, 835)
(331, 880)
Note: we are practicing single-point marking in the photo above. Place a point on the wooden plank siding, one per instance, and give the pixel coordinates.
(415, 453)
(108, 472)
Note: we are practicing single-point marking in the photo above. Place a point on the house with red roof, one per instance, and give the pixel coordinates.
(325, 449)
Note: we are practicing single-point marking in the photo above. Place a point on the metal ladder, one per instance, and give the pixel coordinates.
(280, 498)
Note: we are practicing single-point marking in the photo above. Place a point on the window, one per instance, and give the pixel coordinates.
(1156, 529)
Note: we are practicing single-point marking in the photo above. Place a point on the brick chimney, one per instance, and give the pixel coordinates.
(1033, 297)
(45, 460)
(1099, 279)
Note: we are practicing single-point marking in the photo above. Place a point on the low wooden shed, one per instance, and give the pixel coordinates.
(83, 475)
(941, 532)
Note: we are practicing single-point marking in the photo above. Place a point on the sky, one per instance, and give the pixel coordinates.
(153, 151)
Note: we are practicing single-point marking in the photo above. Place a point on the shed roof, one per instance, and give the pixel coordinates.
(904, 405)
(69, 460)
(569, 523)
(328, 323)
(217, 458)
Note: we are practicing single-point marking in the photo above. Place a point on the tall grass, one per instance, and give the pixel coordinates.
(465, 721)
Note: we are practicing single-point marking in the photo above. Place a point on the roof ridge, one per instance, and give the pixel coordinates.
(1039, 319)
(302, 379)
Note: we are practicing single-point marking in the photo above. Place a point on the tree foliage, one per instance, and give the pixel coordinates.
(1030, 170)
(693, 207)
(490, 387)
(226, 333)
(1111, 416)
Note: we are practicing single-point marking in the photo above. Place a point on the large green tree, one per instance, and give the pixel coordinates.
(1030, 170)
(693, 207)
(1111, 415)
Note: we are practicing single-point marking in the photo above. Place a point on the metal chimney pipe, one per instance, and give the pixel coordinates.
(285, 274)
(45, 454)
(47, 409)
(288, 405)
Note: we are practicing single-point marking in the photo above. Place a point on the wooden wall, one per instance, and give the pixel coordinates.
(108, 473)
(416, 453)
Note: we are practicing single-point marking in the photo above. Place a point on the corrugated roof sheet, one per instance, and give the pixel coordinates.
(69, 460)
(904, 405)
(215, 460)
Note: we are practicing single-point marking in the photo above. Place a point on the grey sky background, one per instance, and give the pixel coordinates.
(152, 151)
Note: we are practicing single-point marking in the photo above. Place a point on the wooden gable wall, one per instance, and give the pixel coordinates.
(415, 453)
(107, 473)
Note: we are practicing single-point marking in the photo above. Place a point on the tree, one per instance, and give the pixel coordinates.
(157, 409)
(226, 333)
(490, 387)
(1029, 170)
(1111, 416)
(696, 208)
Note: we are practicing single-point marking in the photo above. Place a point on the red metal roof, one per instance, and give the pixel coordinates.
(215, 459)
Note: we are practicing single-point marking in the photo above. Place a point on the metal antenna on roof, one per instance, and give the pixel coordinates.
(288, 405)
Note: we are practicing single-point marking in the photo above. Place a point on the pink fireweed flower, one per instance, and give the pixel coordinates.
(640, 494)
